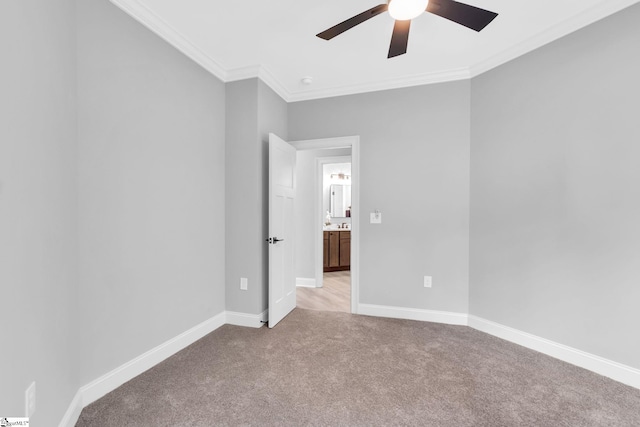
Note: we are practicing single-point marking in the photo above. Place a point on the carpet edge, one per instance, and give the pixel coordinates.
(448, 317)
(108, 382)
(606, 367)
(246, 319)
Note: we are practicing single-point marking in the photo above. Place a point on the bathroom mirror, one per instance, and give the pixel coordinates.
(340, 200)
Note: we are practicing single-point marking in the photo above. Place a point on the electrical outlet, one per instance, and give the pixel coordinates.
(375, 217)
(30, 400)
(427, 281)
(243, 283)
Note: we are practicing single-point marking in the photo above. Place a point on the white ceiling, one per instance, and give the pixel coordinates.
(275, 40)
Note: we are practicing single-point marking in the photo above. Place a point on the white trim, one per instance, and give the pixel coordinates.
(114, 379)
(141, 13)
(551, 34)
(340, 142)
(260, 72)
(318, 208)
(305, 282)
(449, 317)
(246, 319)
(276, 85)
(70, 417)
(462, 73)
(355, 226)
(242, 73)
(326, 143)
(96, 389)
(614, 370)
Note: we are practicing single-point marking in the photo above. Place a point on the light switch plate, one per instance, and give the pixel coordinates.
(243, 283)
(376, 217)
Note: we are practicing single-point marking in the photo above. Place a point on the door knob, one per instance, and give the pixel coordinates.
(274, 240)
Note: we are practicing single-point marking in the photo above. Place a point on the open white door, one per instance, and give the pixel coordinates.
(282, 192)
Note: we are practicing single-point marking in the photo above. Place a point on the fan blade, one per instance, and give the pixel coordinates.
(399, 38)
(464, 14)
(352, 22)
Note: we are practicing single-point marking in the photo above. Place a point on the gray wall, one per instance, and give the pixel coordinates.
(243, 198)
(555, 194)
(38, 215)
(253, 110)
(306, 217)
(151, 190)
(415, 170)
(114, 198)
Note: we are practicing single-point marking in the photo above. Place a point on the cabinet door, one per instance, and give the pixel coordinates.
(345, 248)
(325, 247)
(334, 249)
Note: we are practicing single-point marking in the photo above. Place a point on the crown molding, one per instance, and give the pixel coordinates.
(394, 83)
(270, 80)
(141, 13)
(153, 22)
(551, 34)
(242, 73)
(259, 72)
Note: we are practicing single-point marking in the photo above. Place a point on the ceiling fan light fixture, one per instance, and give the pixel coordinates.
(403, 10)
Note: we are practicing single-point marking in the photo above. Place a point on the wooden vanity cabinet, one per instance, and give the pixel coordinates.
(334, 249)
(337, 250)
(345, 249)
(325, 258)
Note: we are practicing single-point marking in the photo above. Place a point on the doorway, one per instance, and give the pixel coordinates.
(323, 224)
(333, 293)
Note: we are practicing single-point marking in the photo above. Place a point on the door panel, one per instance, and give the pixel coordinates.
(325, 247)
(345, 248)
(334, 249)
(282, 191)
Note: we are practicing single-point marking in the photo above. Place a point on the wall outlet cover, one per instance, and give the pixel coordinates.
(427, 281)
(243, 283)
(30, 400)
(376, 218)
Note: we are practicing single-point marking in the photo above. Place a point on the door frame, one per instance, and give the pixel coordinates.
(352, 142)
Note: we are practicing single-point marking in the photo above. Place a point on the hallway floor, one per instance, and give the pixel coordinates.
(335, 295)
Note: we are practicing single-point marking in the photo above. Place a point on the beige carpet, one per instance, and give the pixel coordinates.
(336, 369)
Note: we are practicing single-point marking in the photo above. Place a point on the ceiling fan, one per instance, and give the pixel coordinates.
(403, 11)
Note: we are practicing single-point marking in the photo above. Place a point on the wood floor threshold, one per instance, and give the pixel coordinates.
(335, 294)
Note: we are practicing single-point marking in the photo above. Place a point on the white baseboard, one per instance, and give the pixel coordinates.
(304, 282)
(91, 392)
(245, 319)
(608, 368)
(112, 380)
(73, 412)
(448, 317)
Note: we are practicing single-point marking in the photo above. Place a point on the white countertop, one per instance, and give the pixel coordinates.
(334, 227)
